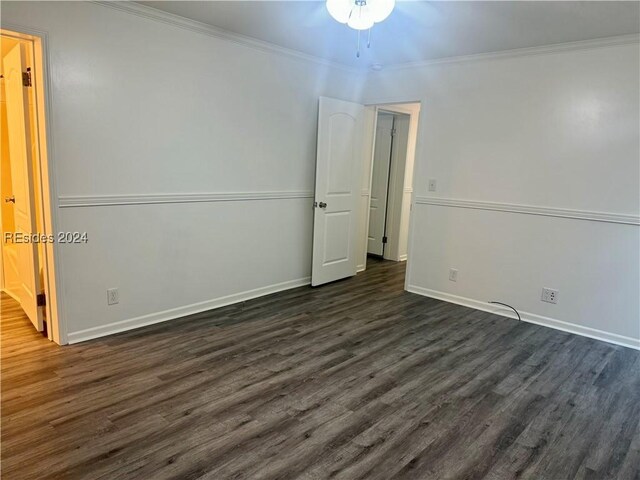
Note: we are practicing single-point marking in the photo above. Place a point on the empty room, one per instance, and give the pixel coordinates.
(347, 239)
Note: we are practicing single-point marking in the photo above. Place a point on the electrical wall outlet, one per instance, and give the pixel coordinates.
(113, 296)
(453, 274)
(549, 295)
(432, 184)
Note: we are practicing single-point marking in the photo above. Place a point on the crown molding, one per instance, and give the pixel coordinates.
(260, 45)
(67, 201)
(219, 33)
(520, 52)
(609, 217)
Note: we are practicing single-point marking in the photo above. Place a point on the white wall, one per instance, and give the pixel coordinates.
(143, 108)
(551, 131)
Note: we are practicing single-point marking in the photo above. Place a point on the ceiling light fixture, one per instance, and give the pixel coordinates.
(360, 14)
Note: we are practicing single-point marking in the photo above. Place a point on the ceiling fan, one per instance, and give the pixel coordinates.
(360, 14)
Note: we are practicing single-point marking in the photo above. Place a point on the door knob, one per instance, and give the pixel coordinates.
(322, 205)
(11, 199)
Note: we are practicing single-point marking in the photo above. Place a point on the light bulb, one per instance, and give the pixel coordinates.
(361, 18)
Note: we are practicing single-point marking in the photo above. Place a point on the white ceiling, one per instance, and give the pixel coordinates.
(416, 30)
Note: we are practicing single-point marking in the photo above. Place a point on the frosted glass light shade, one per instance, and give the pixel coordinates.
(340, 9)
(380, 9)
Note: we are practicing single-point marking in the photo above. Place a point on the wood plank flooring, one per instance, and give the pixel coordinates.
(353, 380)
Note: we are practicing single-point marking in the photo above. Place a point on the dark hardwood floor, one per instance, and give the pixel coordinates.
(353, 380)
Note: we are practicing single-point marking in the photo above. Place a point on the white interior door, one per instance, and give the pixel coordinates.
(338, 165)
(11, 278)
(22, 181)
(380, 183)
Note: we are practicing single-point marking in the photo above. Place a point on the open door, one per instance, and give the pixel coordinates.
(338, 167)
(20, 153)
(380, 184)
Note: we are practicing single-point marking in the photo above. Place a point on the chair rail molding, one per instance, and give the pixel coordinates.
(67, 201)
(609, 217)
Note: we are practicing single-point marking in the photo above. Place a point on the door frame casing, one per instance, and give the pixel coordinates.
(45, 170)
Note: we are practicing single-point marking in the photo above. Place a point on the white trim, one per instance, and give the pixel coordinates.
(611, 217)
(402, 258)
(173, 313)
(613, 41)
(216, 32)
(614, 338)
(66, 201)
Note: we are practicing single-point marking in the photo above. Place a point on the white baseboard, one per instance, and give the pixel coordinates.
(530, 317)
(173, 313)
(360, 268)
(402, 258)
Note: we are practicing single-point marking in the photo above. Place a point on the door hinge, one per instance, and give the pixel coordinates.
(393, 132)
(41, 299)
(384, 239)
(26, 78)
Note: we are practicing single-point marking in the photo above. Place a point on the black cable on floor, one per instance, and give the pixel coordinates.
(505, 305)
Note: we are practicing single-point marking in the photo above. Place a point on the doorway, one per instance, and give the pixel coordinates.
(391, 182)
(27, 272)
(342, 201)
(387, 184)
